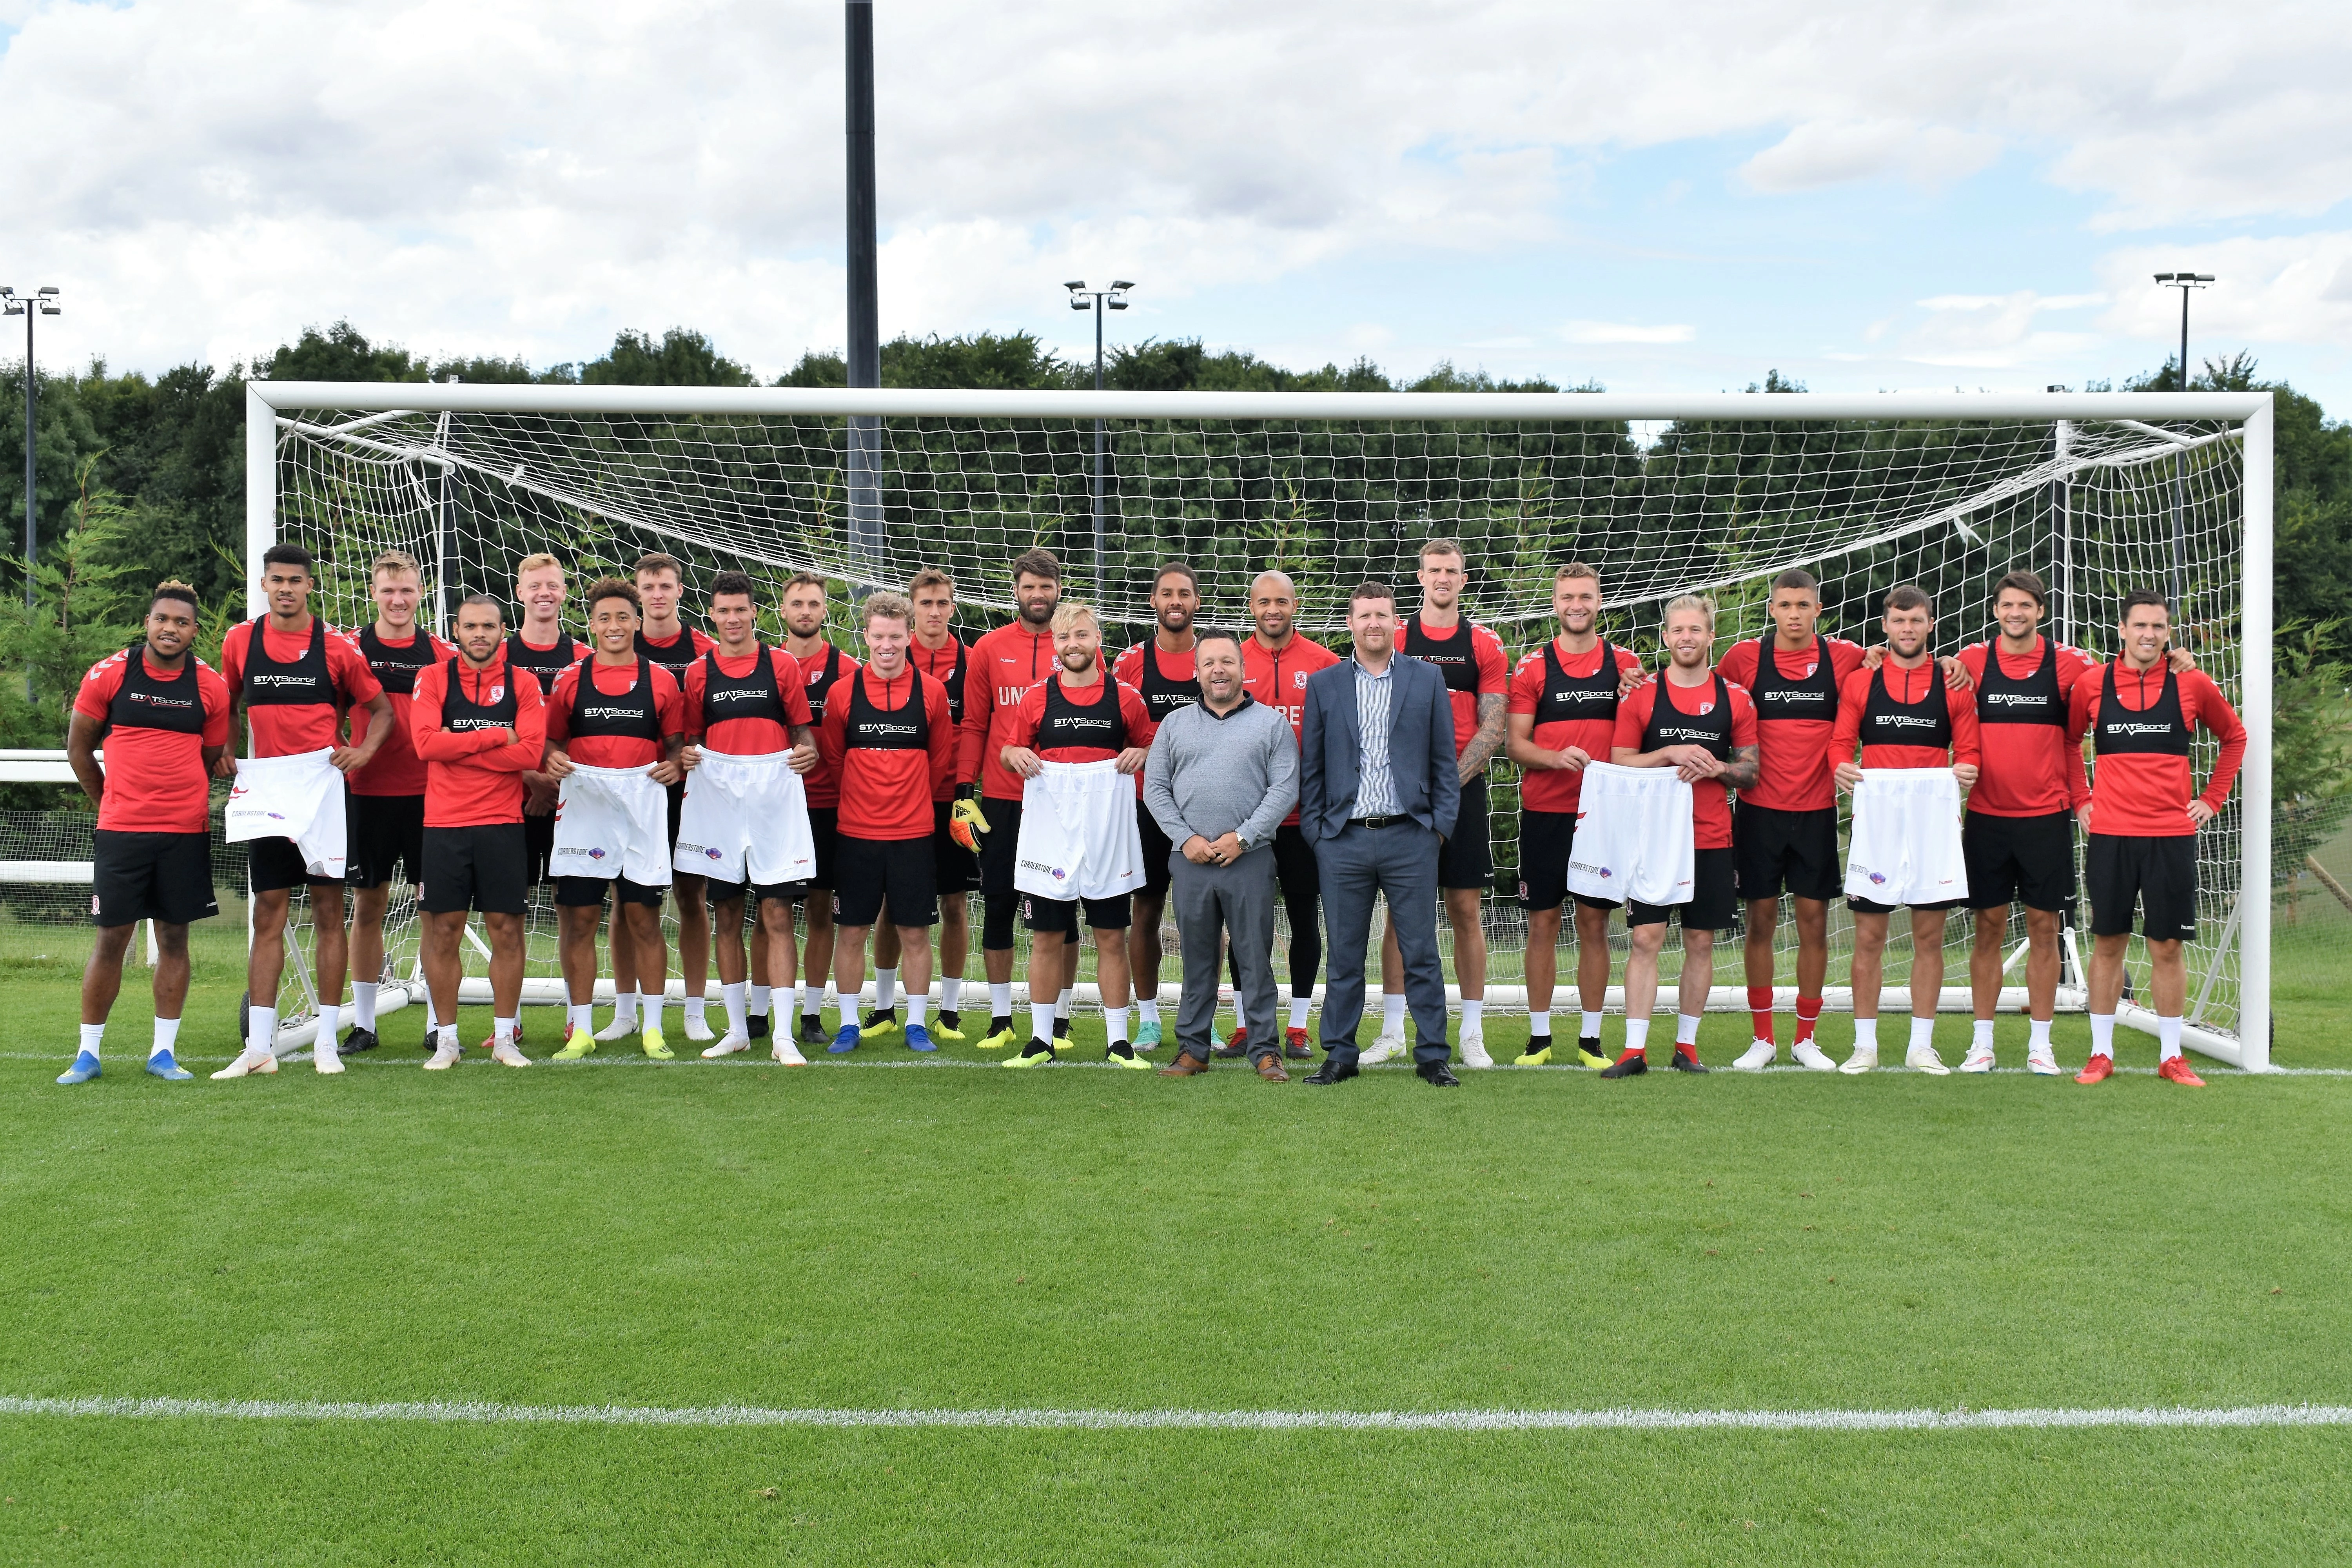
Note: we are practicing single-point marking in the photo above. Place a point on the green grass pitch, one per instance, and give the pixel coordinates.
(864, 1237)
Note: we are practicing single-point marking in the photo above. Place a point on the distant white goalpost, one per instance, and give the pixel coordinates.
(2100, 492)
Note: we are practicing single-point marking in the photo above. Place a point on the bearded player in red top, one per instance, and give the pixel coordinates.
(1160, 670)
(163, 717)
(1564, 714)
(2142, 822)
(1477, 679)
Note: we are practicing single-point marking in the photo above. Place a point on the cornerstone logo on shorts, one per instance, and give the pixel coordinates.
(1587, 867)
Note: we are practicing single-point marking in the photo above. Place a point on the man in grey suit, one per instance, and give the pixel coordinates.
(1377, 794)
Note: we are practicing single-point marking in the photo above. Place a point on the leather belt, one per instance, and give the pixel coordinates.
(1379, 822)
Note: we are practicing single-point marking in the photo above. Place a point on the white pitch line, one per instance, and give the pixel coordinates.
(1621, 1418)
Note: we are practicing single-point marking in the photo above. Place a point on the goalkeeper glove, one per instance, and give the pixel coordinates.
(965, 823)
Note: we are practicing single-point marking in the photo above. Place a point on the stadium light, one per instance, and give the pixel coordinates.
(40, 302)
(1097, 300)
(2185, 282)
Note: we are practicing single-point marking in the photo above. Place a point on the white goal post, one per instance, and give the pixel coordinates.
(1669, 493)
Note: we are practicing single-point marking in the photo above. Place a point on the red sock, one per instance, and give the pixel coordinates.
(1759, 1010)
(1809, 1013)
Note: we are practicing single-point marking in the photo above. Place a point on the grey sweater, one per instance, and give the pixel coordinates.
(1213, 777)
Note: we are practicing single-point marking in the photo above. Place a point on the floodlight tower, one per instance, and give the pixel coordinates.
(1113, 298)
(40, 302)
(864, 356)
(2185, 282)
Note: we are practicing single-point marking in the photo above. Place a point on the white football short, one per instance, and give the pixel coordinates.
(612, 822)
(745, 815)
(1078, 834)
(298, 797)
(1633, 835)
(1906, 848)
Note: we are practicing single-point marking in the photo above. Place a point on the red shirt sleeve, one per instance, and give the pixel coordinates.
(697, 678)
(945, 741)
(978, 708)
(1743, 717)
(1738, 664)
(1634, 717)
(2213, 712)
(216, 704)
(833, 734)
(792, 684)
(1135, 716)
(559, 705)
(1025, 718)
(669, 703)
(232, 662)
(1526, 684)
(1854, 696)
(100, 684)
(1966, 746)
(1493, 663)
(349, 666)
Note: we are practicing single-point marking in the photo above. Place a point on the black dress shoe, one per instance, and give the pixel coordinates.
(1332, 1071)
(360, 1040)
(1437, 1075)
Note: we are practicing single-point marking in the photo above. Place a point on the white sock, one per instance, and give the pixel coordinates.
(1473, 1015)
(1588, 1026)
(1147, 1011)
(693, 1009)
(1865, 1034)
(1685, 1029)
(502, 1031)
(91, 1034)
(625, 1006)
(1391, 1015)
(363, 1004)
(951, 994)
(261, 1029)
(916, 1008)
(1298, 1009)
(1637, 1034)
(1115, 1022)
(649, 1009)
(2167, 1038)
(2103, 1034)
(732, 997)
(760, 996)
(885, 990)
(2041, 1040)
(445, 1036)
(999, 999)
(167, 1035)
(846, 1010)
(1041, 1020)
(1923, 1033)
(331, 1019)
(1539, 1026)
(1062, 1007)
(1981, 1039)
(811, 1000)
(580, 1016)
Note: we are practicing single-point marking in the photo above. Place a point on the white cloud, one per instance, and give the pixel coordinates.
(1826, 154)
(1627, 332)
(2291, 290)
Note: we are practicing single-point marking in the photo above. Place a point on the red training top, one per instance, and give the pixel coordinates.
(2032, 761)
(472, 779)
(945, 663)
(1796, 709)
(1577, 708)
(823, 671)
(2142, 779)
(294, 706)
(1875, 706)
(1277, 678)
(1710, 809)
(623, 750)
(158, 723)
(396, 769)
(889, 761)
(1473, 661)
(1053, 710)
(754, 723)
(1005, 663)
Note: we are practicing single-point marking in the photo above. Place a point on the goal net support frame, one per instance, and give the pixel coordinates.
(388, 423)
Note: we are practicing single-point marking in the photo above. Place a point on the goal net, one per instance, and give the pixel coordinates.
(2099, 493)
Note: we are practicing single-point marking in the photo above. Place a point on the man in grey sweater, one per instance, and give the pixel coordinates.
(1223, 774)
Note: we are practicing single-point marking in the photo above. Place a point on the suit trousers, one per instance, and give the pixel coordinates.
(1215, 905)
(1400, 862)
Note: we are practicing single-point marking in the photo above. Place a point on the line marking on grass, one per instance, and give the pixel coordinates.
(1961, 1419)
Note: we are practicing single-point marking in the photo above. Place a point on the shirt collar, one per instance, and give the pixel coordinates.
(1246, 700)
(1368, 674)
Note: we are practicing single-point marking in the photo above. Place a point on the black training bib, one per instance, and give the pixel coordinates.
(1457, 656)
(875, 729)
(1926, 723)
(1161, 694)
(1670, 726)
(1567, 699)
(304, 682)
(1814, 697)
(143, 703)
(1100, 726)
(460, 713)
(2158, 729)
(2035, 699)
(395, 667)
(633, 712)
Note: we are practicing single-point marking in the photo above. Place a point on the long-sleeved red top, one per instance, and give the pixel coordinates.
(1065, 723)
(890, 760)
(1277, 678)
(1902, 719)
(1005, 663)
(472, 777)
(2031, 762)
(2142, 782)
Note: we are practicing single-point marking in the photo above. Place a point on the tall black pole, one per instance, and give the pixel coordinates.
(1102, 567)
(864, 325)
(2181, 484)
(32, 534)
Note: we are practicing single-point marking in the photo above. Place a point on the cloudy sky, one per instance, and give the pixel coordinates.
(1657, 197)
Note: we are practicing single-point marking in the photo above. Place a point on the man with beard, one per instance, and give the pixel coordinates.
(1005, 663)
(823, 667)
(1160, 670)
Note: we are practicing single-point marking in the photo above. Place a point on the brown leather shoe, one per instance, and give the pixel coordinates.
(1186, 1065)
(1269, 1068)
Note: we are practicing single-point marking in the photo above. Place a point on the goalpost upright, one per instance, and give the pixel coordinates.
(409, 423)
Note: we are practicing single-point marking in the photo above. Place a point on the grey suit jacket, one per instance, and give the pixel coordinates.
(1421, 748)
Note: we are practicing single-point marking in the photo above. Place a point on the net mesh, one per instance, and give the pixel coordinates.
(1715, 506)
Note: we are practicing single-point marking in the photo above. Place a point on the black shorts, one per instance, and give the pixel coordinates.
(539, 843)
(2157, 876)
(2026, 860)
(588, 892)
(1544, 840)
(954, 868)
(1157, 873)
(163, 876)
(825, 827)
(715, 892)
(1299, 875)
(274, 865)
(1715, 896)
(677, 793)
(877, 872)
(474, 869)
(999, 846)
(1869, 907)
(1061, 914)
(1795, 851)
(1466, 858)
(387, 830)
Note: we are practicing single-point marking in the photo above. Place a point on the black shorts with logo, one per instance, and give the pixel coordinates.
(387, 830)
(1466, 858)
(1061, 914)
(1545, 837)
(476, 869)
(2157, 878)
(588, 892)
(896, 874)
(1715, 897)
(2026, 860)
(1795, 851)
(824, 828)
(999, 847)
(163, 876)
(1157, 873)
(274, 865)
